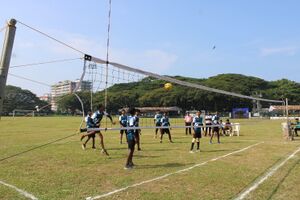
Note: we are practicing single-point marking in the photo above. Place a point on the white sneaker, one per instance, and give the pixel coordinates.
(83, 146)
(192, 151)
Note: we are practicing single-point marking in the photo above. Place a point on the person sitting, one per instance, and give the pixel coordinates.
(227, 126)
(297, 126)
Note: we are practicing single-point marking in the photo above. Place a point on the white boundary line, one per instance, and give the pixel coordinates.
(173, 173)
(264, 177)
(22, 192)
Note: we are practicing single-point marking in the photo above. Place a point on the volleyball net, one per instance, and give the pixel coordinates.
(82, 81)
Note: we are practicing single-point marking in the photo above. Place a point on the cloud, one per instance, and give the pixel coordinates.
(290, 51)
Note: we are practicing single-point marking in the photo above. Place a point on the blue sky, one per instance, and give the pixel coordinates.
(173, 37)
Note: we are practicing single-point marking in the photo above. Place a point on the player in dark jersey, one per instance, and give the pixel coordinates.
(97, 117)
(89, 124)
(157, 122)
(123, 123)
(165, 122)
(197, 127)
(216, 127)
(137, 132)
(131, 122)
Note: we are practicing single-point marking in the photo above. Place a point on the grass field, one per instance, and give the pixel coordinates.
(62, 170)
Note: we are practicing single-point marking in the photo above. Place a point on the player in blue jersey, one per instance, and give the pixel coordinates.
(157, 122)
(197, 127)
(164, 123)
(216, 127)
(123, 123)
(97, 117)
(89, 124)
(131, 122)
(137, 131)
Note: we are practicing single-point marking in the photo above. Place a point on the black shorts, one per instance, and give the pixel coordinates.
(157, 124)
(216, 129)
(131, 144)
(165, 130)
(92, 135)
(197, 133)
(188, 124)
(123, 131)
(137, 132)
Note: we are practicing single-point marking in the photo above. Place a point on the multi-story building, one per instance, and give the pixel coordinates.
(66, 87)
(46, 97)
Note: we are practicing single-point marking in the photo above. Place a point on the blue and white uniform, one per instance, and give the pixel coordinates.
(197, 122)
(157, 119)
(216, 123)
(98, 116)
(131, 122)
(89, 122)
(123, 120)
(165, 122)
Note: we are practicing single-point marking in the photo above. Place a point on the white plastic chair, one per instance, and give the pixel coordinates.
(236, 127)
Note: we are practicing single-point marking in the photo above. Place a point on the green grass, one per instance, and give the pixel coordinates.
(62, 170)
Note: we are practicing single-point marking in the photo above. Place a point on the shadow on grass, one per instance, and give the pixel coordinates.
(167, 165)
(283, 179)
(216, 150)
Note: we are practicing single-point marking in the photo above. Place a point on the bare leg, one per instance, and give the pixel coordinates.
(102, 143)
(121, 137)
(93, 143)
(211, 137)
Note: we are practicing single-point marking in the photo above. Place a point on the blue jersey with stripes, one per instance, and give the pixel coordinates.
(123, 120)
(89, 122)
(131, 122)
(98, 115)
(216, 119)
(165, 121)
(197, 121)
(158, 117)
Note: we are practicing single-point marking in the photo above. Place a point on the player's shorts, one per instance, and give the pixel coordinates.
(197, 133)
(137, 133)
(130, 139)
(92, 135)
(216, 129)
(165, 130)
(131, 144)
(158, 124)
(97, 131)
(123, 131)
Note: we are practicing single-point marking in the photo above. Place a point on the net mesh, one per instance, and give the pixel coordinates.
(96, 81)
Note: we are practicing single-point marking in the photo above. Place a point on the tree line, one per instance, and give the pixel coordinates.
(150, 92)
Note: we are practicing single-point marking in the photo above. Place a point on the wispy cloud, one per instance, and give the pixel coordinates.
(290, 51)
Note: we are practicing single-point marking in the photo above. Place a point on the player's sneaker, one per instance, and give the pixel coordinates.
(103, 151)
(94, 148)
(198, 150)
(83, 146)
(210, 142)
(128, 167)
(160, 141)
(191, 151)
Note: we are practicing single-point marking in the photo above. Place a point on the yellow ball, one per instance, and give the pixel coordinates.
(168, 86)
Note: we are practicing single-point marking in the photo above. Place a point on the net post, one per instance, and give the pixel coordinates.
(5, 58)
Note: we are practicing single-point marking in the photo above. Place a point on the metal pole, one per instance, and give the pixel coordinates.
(5, 58)
(290, 134)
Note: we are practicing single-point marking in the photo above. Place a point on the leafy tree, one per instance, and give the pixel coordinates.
(17, 98)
